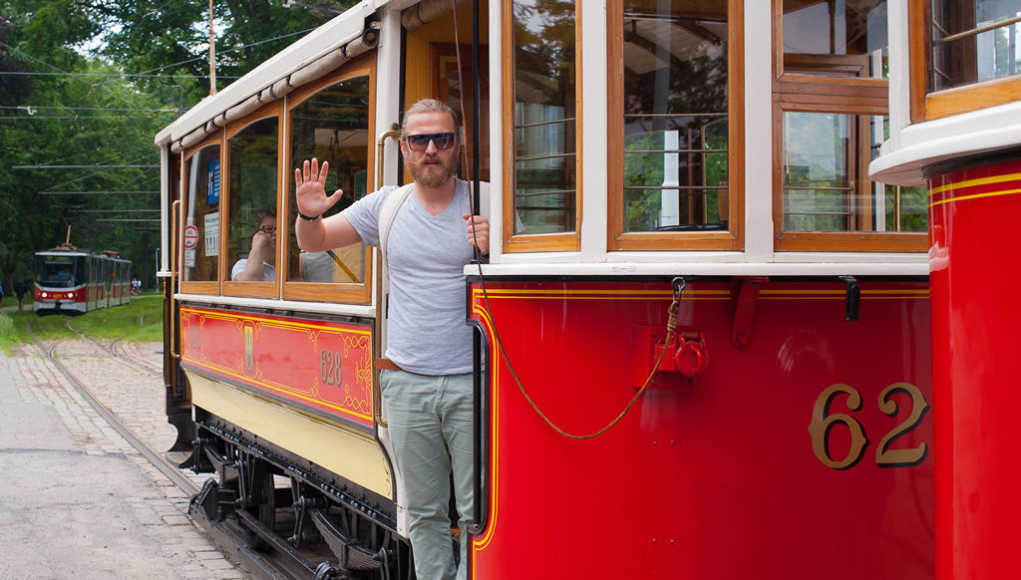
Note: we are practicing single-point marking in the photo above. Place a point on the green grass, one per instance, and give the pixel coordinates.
(139, 321)
(12, 300)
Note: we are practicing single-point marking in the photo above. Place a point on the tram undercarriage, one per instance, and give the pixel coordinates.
(291, 510)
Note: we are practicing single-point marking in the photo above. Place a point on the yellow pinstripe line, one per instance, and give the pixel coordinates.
(975, 182)
(482, 543)
(975, 196)
(495, 291)
(280, 323)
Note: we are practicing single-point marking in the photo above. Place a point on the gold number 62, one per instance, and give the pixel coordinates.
(823, 421)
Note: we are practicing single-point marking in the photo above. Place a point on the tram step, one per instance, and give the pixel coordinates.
(350, 554)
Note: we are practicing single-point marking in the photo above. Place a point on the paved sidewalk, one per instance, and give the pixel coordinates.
(76, 499)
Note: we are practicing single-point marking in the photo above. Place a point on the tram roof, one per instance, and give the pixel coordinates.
(340, 30)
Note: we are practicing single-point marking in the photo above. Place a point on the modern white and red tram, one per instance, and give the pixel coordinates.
(68, 279)
(819, 191)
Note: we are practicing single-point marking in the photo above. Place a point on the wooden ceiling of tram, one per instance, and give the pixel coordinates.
(852, 7)
(691, 8)
(683, 39)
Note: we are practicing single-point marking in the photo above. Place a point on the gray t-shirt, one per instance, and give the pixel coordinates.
(426, 332)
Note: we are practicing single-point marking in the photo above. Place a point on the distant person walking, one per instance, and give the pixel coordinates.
(20, 288)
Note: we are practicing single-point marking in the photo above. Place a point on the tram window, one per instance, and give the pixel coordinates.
(825, 177)
(544, 111)
(974, 41)
(831, 98)
(58, 271)
(824, 35)
(252, 196)
(333, 125)
(202, 210)
(675, 116)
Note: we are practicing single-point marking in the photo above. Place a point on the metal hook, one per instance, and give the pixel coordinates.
(678, 284)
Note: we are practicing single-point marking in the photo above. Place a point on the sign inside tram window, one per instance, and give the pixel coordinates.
(212, 231)
(213, 190)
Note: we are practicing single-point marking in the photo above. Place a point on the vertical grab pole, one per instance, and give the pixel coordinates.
(476, 336)
(476, 104)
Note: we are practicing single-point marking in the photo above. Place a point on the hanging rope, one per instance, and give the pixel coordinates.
(678, 284)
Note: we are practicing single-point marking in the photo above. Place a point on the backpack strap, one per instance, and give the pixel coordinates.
(387, 214)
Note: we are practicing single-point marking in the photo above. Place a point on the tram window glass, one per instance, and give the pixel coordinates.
(848, 35)
(58, 271)
(333, 125)
(544, 115)
(825, 177)
(202, 207)
(831, 99)
(675, 77)
(252, 196)
(973, 41)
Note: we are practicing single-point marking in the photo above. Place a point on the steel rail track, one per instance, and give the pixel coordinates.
(225, 538)
(122, 356)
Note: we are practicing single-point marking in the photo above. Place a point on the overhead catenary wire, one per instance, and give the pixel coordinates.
(30, 108)
(111, 192)
(85, 167)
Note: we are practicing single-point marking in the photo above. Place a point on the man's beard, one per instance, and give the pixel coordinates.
(432, 175)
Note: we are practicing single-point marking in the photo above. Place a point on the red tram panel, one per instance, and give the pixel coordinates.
(804, 453)
(976, 365)
(326, 366)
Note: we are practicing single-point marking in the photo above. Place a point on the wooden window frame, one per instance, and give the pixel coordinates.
(205, 286)
(558, 241)
(237, 288)
(349, 292)
(926, 105)
(732, 239)
(801, 92)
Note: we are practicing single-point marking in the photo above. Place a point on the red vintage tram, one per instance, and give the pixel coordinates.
(709, 153)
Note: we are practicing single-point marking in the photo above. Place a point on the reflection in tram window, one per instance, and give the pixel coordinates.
(545, 128)
(675, 116)
(974, 41)
(825, 177)
(252, 183)
(835, 37)
(333, 126)
(202, 207)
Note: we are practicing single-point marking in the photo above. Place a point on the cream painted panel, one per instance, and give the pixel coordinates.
(350, 454)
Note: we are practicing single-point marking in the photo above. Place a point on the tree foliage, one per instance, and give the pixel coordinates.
(90, 82)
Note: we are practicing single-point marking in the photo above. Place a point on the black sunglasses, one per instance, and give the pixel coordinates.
(443, 141)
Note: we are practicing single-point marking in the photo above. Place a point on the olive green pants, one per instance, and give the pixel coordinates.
(430, 424)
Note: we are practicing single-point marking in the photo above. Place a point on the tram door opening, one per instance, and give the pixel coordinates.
(433, 57)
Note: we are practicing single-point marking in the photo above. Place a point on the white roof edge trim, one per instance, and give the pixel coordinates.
(923, 144)
(330, 36)
(358, 310)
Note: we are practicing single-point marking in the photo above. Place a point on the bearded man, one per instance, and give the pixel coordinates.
(426, 382)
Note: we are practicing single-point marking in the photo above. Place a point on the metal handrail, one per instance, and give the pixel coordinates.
(175, 231)
(393, 131)
(976, 31)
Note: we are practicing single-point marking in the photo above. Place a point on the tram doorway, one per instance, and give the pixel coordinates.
(436, 63)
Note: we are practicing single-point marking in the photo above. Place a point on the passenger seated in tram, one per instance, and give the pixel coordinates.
(259, 265)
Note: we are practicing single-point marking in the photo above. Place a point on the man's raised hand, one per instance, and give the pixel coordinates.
(310, 189)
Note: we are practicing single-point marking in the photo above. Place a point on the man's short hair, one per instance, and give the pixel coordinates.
(431, 106)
